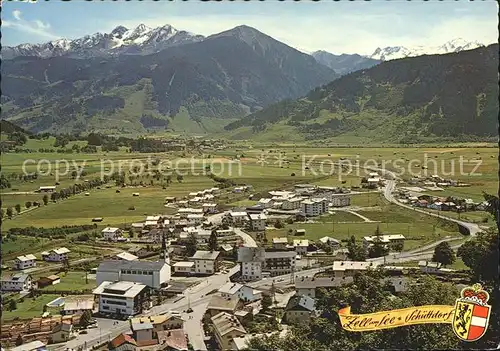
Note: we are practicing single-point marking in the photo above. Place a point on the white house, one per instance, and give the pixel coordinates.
(124, 298)
(111, 233)
(258, 221)
(152, 274)
(301, 246)
(57, 255)
(18, 282)
(314, 207)
(23, 262)
(206, 262)
(184, 267)
(251, 260)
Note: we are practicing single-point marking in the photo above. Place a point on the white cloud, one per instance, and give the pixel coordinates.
(338, 34)
(16, 14)
(36, 27)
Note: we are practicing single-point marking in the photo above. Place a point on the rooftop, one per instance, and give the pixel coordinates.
(110, 230)
(225, 323)
(298, 242)
(257, 216)
(61, 251)
(184, 264)
(115, 266)
(127, 256)
(280, 254)
(122, 339)
(301, 302)
(26, 258)
(230, 288)
(123, 288)
(282, 240)
(206, 255)
(220, 303)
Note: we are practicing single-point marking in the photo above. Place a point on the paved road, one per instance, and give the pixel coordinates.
(247, 239)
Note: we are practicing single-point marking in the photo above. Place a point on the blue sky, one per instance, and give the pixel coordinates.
(337, 27)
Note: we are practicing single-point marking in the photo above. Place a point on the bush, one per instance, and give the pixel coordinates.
(131, 208)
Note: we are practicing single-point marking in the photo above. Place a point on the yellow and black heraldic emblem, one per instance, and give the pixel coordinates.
(472, 313)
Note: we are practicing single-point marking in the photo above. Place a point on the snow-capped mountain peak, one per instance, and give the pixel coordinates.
(397, 52)
(140, 40)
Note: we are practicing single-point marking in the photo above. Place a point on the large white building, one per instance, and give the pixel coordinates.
(206, 262)
(111, 234)
(24, 262)
(122, 298)
(314, 207)
(153, 274)
(251, 260)
(18, 282)
(258, 221)
(57, 255)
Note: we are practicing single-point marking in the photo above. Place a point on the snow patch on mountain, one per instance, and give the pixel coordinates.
(139, 40)
(397, 52)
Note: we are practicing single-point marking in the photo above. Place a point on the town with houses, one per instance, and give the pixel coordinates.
(212, 280)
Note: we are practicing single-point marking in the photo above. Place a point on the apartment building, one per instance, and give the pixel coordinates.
(314, 207)
(122, 298)
(238, 218)
(279, 262)
(340, 200)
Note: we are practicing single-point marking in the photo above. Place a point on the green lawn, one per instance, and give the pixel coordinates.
(340, 216)
(72, 281)
(29, 308)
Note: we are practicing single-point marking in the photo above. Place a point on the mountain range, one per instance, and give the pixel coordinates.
(397, 52)
(195, 86)
(141, 40)
(139, 79)
(410, 100)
